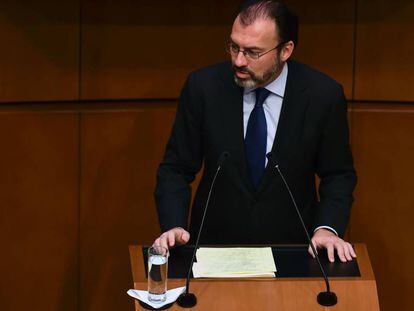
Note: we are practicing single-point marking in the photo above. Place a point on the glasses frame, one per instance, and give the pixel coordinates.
(249, 54)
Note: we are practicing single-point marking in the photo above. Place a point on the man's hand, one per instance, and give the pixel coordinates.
(172, 237)
(324, 238)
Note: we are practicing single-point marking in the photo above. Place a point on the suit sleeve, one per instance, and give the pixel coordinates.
(334, 166)
(182, 160)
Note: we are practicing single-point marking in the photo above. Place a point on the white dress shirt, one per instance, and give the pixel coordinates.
(272, 107)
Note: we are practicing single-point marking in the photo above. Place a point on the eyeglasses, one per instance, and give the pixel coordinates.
(234, 50)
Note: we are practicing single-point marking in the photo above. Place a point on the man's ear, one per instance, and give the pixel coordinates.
(287, 51)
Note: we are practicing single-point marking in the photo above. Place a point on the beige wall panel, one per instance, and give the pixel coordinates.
(39, 211)
(326, 31)
(120, 153)
(384, 51)
(139, 49)
(383, 212)
(39, 54)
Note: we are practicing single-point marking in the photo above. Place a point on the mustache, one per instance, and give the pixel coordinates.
(243, 70)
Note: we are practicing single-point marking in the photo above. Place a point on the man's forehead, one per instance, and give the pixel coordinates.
(261, 32)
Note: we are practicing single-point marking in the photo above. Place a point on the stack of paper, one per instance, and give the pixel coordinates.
(230, 262)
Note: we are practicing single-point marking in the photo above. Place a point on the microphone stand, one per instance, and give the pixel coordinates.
(326, 298)
(187, 299)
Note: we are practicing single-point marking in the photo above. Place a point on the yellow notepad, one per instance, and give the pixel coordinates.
(234, 262)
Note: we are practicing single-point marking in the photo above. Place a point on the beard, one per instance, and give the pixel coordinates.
(256, 80)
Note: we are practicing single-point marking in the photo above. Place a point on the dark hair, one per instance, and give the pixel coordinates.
(286, 21)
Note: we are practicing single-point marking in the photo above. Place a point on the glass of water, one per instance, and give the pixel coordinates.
(157, 273)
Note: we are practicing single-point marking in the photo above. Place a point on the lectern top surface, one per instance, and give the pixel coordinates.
(291, 262)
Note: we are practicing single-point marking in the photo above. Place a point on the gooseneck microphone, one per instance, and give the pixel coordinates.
(187, 299)
(326, 298)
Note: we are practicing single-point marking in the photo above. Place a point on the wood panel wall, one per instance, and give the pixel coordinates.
(120, 151)
(384, 48)
(382, 216)
(39, 210)
(135, 49)
(87, 97)
(39, 57)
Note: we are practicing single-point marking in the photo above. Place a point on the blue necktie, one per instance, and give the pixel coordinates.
(256, 138)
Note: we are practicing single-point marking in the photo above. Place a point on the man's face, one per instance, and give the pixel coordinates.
(261, 36)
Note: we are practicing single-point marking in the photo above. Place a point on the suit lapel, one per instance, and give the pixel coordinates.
(290, 124)
(233, 99)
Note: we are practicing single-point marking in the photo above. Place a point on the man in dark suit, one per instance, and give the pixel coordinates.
(257, 103)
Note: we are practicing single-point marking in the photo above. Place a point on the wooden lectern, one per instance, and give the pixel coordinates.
(354, 293)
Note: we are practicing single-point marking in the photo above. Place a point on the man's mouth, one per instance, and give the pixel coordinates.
(240, 73)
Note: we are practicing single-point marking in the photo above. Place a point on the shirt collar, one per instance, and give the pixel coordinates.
(277, 86)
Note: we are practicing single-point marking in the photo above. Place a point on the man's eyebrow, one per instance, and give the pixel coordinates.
(247, 47)
(253, 48)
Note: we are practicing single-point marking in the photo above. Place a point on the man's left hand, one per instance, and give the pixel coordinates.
(324, 238)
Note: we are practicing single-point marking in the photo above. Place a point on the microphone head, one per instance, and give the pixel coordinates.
(272, 158)
(223, 157)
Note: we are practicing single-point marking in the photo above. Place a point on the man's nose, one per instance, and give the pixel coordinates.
(240, 60)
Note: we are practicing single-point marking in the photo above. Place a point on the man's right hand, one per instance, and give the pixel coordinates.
(172, 237)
